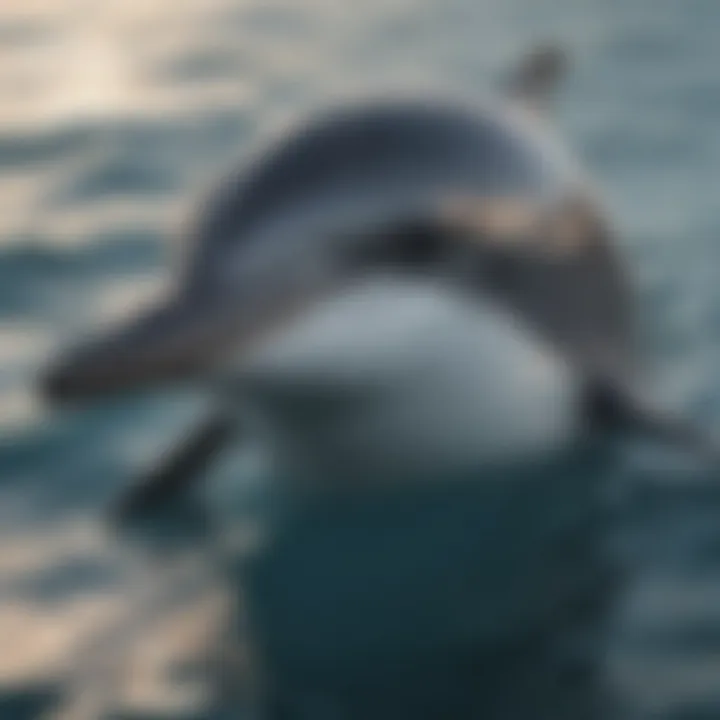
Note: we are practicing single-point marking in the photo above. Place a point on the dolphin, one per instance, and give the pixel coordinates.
(407, 232)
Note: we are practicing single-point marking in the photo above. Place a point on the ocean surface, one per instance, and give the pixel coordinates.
(115, 115)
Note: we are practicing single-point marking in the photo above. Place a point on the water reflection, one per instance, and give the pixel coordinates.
(466, 599)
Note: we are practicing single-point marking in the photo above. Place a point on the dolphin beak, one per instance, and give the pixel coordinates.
(168, 343)
(182, 339)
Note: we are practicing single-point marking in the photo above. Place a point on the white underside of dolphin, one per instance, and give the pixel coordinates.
(400, 378)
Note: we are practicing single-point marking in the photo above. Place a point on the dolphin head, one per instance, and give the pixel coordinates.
(341, 197)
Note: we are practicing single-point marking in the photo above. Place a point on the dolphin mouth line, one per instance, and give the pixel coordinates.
(178, 341)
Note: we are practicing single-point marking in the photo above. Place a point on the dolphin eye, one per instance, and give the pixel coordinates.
(411, 246)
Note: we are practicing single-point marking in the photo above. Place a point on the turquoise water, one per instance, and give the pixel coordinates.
(115, 115)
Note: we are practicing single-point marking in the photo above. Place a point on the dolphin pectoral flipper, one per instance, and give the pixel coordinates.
(612, 408)
(180, 469)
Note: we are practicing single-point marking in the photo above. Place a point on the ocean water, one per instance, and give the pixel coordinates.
(115, 115)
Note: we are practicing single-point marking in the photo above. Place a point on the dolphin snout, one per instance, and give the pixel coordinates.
(187, 338)
(170, 343)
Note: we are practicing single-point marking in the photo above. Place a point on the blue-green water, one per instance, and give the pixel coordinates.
(115, 114)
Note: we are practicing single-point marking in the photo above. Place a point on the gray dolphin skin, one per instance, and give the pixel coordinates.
(478, 201)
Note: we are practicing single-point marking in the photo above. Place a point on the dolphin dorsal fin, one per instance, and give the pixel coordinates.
(535, 80)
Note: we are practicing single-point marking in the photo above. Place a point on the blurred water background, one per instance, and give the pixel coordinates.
(113, 115)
